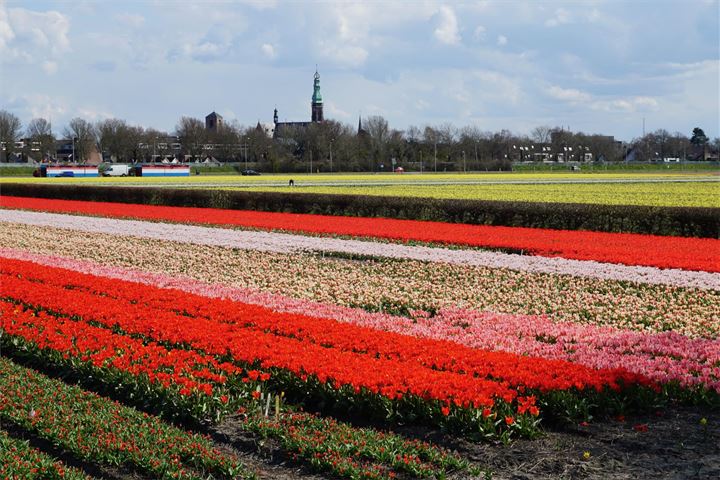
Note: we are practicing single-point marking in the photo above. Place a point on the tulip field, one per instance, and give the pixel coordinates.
(159, 341)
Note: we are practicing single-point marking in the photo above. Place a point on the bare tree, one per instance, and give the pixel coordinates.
(84, 134)
(379, 132)
(541, 134)
(10, 128)
(39, 131)
(192, 135)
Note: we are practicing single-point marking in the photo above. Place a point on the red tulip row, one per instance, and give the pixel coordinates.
(623, 248)
(539, 374)
(19, 460)
(391, 379)
(370, 360)
(102, 352)
(101, 431)
(184, 370)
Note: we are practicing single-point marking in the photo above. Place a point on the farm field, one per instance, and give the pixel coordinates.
(671, 189)
(157, 341)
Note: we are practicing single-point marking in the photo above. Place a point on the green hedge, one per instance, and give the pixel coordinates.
(672, 221)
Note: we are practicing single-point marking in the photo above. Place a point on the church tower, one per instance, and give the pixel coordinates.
(317, 103)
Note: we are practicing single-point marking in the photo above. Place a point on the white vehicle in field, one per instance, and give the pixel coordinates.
(116, 170)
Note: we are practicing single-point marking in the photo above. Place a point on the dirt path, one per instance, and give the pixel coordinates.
(675, 446)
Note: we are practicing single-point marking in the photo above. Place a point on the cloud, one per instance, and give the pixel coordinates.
(334, 111)
(479, 33)
(268, 50)
(630, 104)
(30, 37)
(46, 30)
(502, 40)
(573, 96)
(37, 106)
(205, 50)
(93, 114)
(346, 55)
(447, 30)
(570, 95)
(50, 67)
(563, 17)
(131, 19)
(6, 31)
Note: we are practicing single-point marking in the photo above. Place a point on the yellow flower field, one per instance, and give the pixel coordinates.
(659, 189)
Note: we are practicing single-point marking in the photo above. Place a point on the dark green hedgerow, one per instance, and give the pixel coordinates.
(670, 221)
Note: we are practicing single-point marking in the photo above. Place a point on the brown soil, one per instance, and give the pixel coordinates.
(675, 446)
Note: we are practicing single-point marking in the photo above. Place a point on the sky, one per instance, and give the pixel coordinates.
(592, 66)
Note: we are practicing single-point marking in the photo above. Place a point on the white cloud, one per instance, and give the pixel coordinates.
(563, 17)
(268, 50)
(573, 96)
(479, 33)
(630, 104)
(29, 37)
(131, 19)
(50, 67)
(93, 114)
(205, 50)
(347, 55)
(335, 111)
(6, 31)
(570, 95)
(47, 30)
(502, 40)
(447, 30)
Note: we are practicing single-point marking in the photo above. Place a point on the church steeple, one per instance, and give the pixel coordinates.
(317, 102)
(275, 116)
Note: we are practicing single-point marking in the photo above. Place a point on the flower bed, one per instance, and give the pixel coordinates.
(663, 357)
(287, 243)
(356, 453)
(628, 249)
(344, 450)
(98, 430)
(395, 286)
(373, 362)
(199, 380)
(20, 460)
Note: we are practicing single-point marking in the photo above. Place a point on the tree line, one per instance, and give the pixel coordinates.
(335, 146)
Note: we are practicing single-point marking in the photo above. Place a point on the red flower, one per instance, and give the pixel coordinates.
(641, 427)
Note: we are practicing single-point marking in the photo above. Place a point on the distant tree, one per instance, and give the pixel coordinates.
(10, 128)
(122, 141)
(379, 132)
(471, 139)
(192, 135)
(39, 131)
(85, 137)
(698, 137)
(226, 141)
(541, 134)
(157, 143)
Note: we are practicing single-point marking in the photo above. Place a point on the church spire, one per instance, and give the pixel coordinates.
(317, 101)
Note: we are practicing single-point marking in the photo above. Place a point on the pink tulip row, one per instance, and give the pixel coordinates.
(664, 357)
(287, 243)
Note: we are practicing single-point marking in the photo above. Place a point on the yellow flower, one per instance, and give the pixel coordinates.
(586, 455)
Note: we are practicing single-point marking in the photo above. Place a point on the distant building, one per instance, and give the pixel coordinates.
(213, 122)
(280, 129)
(361, 131)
